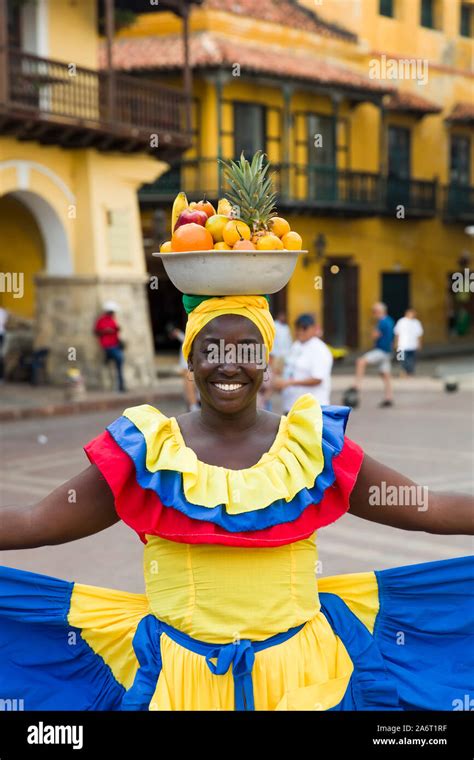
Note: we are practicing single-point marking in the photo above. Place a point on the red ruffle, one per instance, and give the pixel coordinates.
(143, 511)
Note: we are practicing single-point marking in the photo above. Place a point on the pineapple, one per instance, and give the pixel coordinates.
(251, 190)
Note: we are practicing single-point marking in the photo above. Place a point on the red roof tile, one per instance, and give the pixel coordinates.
(462, 113)
(211, 50)
(408, 101)
(287, 12)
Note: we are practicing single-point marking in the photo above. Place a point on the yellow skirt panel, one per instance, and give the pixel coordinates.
(310, 671)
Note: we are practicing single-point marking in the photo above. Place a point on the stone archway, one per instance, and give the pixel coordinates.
(57, 250)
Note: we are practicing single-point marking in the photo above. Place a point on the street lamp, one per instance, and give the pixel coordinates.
(320, 245)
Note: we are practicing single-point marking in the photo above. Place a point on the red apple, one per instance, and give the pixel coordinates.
(188, 216)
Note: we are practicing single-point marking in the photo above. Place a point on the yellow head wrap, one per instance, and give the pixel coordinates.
(254, 308)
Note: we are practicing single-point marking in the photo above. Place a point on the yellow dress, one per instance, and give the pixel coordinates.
(236, 614)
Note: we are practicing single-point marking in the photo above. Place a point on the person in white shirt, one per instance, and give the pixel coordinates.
(283, 340)
(308, 366)
(408, 333)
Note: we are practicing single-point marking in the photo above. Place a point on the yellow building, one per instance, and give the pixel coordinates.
(76, 143)
(365, 109)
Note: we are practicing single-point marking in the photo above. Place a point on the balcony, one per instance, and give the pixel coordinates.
(458, 203)
(305, 189)
(300, 189)
(57, 103)
(412, 198)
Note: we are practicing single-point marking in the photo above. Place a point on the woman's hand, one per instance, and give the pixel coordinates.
(384, 496)
(80, 507)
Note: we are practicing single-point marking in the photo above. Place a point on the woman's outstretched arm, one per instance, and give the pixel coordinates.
(80, 507)
(385, 496)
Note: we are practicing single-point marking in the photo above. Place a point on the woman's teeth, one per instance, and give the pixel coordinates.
(228, 386)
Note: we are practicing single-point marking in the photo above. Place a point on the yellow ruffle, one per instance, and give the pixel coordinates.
(292, 463)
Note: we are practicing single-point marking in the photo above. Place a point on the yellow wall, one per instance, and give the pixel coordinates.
(428, 249)
(402, 34)
(72, 32)
(82, 186)
(21, 252)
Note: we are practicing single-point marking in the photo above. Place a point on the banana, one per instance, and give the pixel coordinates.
(224, 207)
(180, 203)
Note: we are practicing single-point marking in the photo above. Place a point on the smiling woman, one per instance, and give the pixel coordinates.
(228, 501)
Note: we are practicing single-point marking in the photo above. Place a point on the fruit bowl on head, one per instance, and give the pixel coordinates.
(229, 273)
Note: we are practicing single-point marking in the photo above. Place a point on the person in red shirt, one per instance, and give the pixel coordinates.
(107, 331)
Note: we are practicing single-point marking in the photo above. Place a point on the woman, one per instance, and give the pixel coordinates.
(227, 501)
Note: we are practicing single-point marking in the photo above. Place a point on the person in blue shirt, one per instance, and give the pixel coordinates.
(380, 355)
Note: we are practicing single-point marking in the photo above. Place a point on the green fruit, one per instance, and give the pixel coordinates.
(215, 225)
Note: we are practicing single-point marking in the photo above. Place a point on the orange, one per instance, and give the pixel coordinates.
(235, 230)
(166, 247)
(279, 226)
(192, 237)
(269, 243)
(205, 206)
(244, 245)
(292, 241)
(222, 247)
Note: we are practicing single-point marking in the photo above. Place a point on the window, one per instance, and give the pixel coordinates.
(398, 185)
(386, 8)
(399, 152)
(249, 129)
(460, 160)
(322, 148)
(427, 14)
(14, 26)
(322, 175)
(466, 28)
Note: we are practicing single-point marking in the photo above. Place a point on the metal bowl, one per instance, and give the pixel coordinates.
(229, 273)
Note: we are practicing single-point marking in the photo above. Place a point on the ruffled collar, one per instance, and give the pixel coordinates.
(278, 442)
(292, 463)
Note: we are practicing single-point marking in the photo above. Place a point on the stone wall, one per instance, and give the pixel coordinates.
(66, 311)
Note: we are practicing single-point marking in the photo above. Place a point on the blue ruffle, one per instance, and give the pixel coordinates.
(168, 485)
(425, 632)
(45, 664)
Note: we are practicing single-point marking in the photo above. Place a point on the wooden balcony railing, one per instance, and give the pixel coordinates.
(458, 203)
(410, 197)
(71, 105)
(298, 187)
(306, 189)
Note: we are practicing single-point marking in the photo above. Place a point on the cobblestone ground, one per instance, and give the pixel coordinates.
(428, 436)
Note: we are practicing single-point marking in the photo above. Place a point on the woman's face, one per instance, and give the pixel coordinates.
(228, 358)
